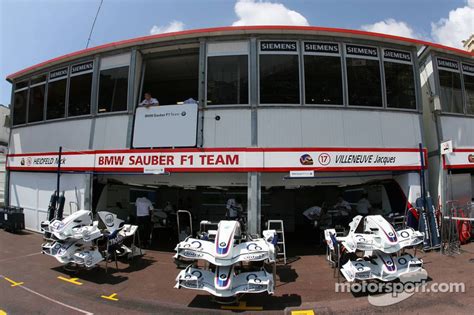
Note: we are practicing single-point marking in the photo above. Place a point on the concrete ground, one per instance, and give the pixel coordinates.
(29, 284)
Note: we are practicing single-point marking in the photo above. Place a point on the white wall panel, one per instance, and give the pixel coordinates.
(32, 192)
(279, 127)
(110, 132)
(71, 135)
(231, 130)
(458, 129)
(321, 127)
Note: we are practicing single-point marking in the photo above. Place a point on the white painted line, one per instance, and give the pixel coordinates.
(53, 300)
(18, 257)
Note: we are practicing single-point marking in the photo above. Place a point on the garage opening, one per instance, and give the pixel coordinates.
(205, 196)
(308, 206)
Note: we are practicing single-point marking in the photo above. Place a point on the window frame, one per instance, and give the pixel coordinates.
(66, 94)
(463, 86)
(381, 72)
(15, 90)
(297, 53)
(45, 83)
(114, 66)
(436, 70)
(68, 89)
(343, 72)
(227, 54)
(415, 82)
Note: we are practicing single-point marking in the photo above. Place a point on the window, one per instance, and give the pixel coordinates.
(322, 73)
(279, 73)
(227, 80)
(450, 86)
(363, 76)
(468, 76)
(173, 78)
(19, 103)
(56, 100)
(113, 88)
(399, 79)
(80, 89)
(36, 99)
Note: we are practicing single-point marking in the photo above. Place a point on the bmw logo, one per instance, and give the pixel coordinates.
(222, 244)
(109, 219)
(183, 113)
(223, 276)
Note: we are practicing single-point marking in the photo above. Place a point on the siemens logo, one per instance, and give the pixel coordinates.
(361, 51)
(448, 64)
(278, 46)
(397, 55)
(321, 47)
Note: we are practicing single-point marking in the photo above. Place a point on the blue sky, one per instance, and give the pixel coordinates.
(32, 31)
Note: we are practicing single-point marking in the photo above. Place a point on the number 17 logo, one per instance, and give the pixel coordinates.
(324, 159)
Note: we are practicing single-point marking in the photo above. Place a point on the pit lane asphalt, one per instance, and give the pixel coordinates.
(146, 286)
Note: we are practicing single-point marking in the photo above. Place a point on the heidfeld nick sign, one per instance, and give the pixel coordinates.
(224, 160)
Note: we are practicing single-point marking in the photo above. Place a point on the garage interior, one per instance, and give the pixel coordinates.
(282, 198)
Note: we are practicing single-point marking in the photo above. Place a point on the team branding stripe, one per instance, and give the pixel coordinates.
(222, 160)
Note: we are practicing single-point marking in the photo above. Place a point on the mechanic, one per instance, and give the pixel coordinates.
(363, 205)
(144, 208)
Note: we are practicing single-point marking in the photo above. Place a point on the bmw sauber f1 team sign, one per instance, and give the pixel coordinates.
(223, 160)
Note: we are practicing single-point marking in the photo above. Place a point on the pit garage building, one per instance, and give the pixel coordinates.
(286, 118)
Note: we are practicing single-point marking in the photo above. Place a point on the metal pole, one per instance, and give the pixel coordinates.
(58, 180)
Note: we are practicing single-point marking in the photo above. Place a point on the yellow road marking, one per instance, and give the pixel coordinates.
(2, 312)
(14, 284)
(302, 312)
(70, 280)
(242, 307)
(111, 297)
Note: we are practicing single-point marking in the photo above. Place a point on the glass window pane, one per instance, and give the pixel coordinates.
(469, 88)
(56, 99)
(323, 80)
(363, 79)
(113, 88)
(19, 107)
(20, 85)
(36, 103)
(279, 79)
(172, 79)
(450, 94)
(80, 88)
(227, 80)
(400, 85)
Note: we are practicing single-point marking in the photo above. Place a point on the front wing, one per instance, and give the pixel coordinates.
(205, 280)
(366, 270)
(257, 250)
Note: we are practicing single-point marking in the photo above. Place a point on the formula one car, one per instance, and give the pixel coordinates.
(380, 266)
(374, 233)
(237, 262)
(224, 281)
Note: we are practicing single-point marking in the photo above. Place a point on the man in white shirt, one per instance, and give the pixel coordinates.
(144, 207)
(343, 206)
(149, 101)
(363, 205)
